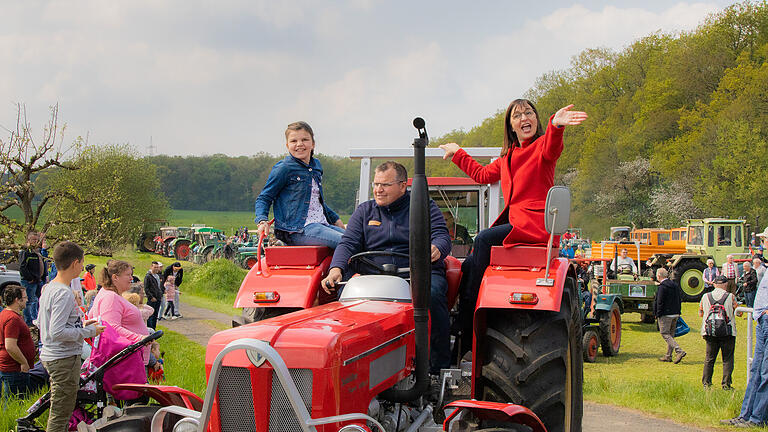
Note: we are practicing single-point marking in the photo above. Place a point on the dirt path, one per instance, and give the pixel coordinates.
(199, 324)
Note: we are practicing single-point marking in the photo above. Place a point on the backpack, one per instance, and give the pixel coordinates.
(717, 323)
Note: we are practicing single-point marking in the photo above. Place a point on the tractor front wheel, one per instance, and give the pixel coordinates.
(182, 250)
(250, 262)
(648, 318)
(590, 343)
(690, 275)
(610, 331)
(534, 359)
(134, 418)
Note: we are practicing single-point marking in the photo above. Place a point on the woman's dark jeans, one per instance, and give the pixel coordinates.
(472, 271)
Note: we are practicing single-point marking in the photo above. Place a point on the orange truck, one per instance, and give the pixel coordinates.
(643, 241)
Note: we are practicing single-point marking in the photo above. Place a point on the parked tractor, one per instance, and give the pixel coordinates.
(361, 363)
(180, 247)
(207, 241)
(706, 238)
(150, 229)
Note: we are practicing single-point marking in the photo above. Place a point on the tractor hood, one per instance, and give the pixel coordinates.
(328, 336)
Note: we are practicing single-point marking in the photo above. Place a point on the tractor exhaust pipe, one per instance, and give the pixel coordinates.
(421, 269)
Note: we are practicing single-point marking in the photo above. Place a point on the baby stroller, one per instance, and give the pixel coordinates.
(90, 405)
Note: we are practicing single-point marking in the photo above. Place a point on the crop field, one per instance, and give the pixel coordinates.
(228, 221)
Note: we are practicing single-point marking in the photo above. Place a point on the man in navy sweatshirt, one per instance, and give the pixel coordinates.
(381, 224)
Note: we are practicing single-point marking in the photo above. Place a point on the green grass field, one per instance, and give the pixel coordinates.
(228, 221)
(223, 220)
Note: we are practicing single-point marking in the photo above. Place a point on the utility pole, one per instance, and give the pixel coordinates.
(151, 147)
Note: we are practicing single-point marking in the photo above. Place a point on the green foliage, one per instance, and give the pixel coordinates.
(114, 192)
(217, 279)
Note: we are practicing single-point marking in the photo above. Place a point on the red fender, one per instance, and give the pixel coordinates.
(166, 395)
(496, 411)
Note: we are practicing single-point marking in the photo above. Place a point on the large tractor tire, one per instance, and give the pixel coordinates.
(690, 275)
(534, 358)
(590, 343)
(610, 330)
(250, 262)
(135, 418)
(181, 250)
(146, 242)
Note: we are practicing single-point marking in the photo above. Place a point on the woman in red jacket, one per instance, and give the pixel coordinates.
(526, 169)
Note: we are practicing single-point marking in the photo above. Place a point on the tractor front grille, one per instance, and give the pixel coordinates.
(236, 400)
(281, 415)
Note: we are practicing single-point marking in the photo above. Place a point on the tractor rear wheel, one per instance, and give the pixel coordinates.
(690, 275)
(181, 250)
(146, 243)
(534, 359)
(610, 330)
(590, 343)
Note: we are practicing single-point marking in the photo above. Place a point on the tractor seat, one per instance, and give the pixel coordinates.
(453, 276)
(522, 256)
(296, 255)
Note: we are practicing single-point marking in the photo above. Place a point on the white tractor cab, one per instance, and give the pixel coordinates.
(468, 207)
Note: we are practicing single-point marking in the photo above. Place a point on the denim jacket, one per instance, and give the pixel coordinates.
(289, 188)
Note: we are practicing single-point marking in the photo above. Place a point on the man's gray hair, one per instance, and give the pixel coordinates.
(662, 273)
(401, 174)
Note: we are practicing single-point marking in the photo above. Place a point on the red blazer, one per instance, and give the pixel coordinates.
(526, 173)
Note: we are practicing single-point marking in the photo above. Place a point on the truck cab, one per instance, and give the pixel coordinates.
(717, 238)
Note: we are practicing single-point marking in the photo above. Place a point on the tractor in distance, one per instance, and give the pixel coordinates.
(361, 363)
(711, 238)
(149, 230)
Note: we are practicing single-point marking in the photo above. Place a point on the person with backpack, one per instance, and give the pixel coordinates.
(667, 308)
(719, 331)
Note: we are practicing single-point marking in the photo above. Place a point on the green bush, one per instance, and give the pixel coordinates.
(219, 279)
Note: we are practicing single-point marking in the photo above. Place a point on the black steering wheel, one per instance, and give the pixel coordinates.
(384, 269)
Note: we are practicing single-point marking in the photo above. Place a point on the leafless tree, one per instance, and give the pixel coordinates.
(23, 160)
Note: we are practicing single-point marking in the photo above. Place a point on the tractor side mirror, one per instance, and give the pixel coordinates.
(557, 210)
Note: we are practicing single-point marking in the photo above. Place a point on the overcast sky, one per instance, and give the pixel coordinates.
(205, 77)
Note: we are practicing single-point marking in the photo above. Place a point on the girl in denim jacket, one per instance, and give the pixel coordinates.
(295, 188)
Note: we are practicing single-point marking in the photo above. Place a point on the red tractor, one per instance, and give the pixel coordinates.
(361, 363)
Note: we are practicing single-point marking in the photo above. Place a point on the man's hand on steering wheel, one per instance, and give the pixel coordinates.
(329, 283)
